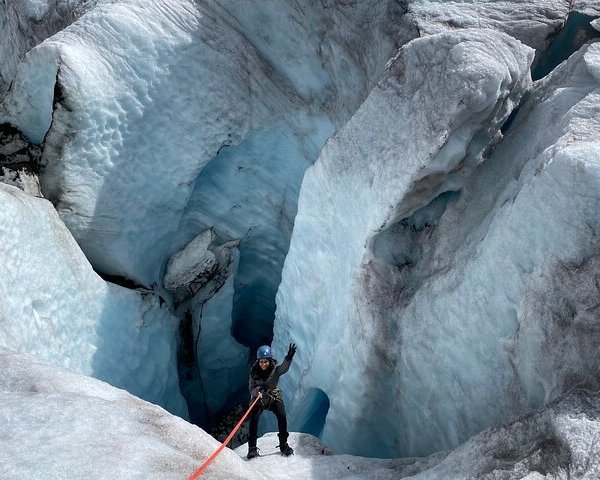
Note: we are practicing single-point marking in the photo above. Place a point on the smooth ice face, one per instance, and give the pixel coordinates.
(417, 135)
(56, 307)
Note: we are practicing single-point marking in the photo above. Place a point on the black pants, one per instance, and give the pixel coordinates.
(278, 409)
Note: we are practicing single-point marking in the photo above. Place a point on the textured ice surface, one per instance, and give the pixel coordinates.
(537, 24)
(223, 362)
(55, 306)
(435, 278)
(58, 424)
(456, 312)
(416, 136)
(26, 23)
(135, 99)
(533, 23)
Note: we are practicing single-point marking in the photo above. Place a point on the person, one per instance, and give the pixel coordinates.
(264, 377)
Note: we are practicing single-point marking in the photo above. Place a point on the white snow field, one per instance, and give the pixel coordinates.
(56, 424)
(56, 307)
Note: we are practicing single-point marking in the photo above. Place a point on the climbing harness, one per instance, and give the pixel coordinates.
(273, 395)
(195, 475)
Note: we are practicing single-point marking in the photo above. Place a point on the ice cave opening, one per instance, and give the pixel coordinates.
(311, 412)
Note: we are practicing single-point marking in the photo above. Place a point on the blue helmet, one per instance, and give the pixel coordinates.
(264, 352)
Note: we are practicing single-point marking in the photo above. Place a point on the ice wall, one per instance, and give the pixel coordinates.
(437, 302)
(134, 99)
(213, 367)
(27, 23)
(56, 307)
(160, 120)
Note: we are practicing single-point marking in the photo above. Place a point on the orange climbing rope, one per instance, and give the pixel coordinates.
(195, 475)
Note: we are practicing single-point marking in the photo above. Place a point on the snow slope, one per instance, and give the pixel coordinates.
(58, 424)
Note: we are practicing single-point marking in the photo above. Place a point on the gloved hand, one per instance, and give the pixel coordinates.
(258, 391)
(291, 351)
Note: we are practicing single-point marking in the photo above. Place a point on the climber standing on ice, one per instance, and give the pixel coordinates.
(264, 376)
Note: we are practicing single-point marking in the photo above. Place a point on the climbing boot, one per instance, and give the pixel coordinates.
(252, 452)
(286, 449)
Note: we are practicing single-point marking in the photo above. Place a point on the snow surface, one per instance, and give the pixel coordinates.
(58, 424)
(55, 306)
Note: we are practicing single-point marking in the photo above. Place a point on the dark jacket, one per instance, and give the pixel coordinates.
(266, 379)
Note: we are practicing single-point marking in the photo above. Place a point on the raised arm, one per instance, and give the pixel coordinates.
(285, 365)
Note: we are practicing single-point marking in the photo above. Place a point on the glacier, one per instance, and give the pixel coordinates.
(424, 300)
(406, 189)
(106, 87)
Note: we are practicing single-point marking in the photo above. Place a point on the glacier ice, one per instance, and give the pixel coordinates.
(213, 365)
(416, 136)
(440, 297)
(451, 278)
(27, 23)
(194, 263)
(116, 91)
(116, 97)
(162, 121)
(55, 306)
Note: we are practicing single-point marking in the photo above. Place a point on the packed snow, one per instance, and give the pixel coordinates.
(58, 424)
